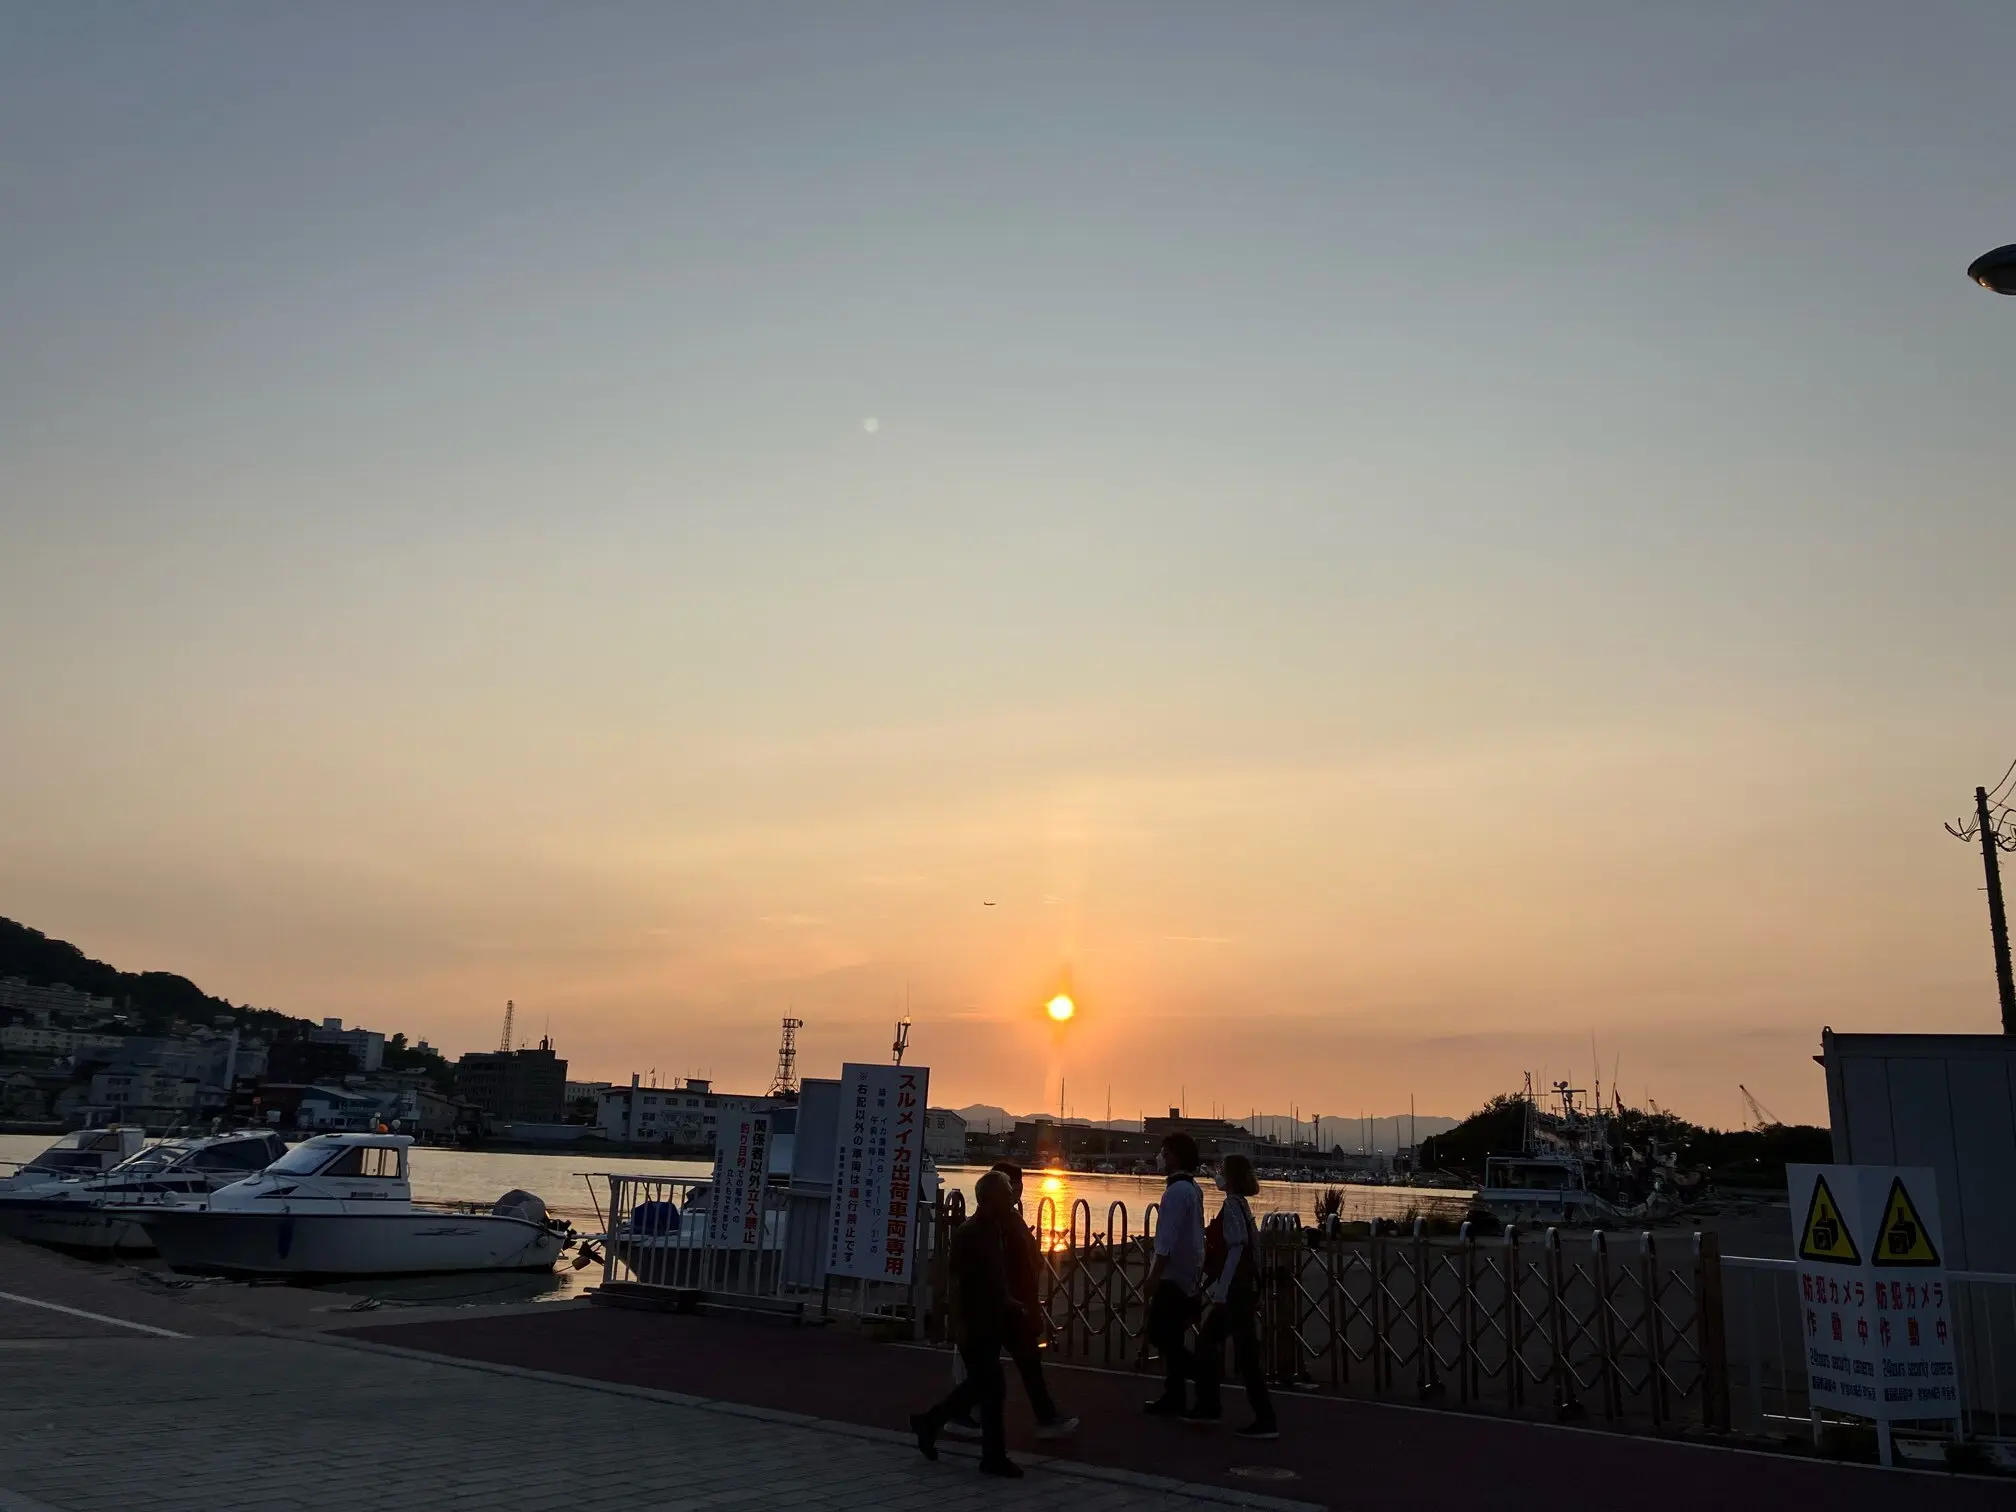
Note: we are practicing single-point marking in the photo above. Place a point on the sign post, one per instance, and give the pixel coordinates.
(1873, 1295)
(741, 1168)
(880, 1156)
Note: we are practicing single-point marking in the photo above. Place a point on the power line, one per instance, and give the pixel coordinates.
(2005, 779)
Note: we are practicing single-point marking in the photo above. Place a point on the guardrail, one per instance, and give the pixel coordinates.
(1767, 1349)
(1626, 1329)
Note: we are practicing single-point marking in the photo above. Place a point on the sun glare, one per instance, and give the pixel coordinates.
(1061, 1008)
(1052, 1184)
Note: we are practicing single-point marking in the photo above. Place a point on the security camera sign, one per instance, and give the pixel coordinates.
(1875, 1306)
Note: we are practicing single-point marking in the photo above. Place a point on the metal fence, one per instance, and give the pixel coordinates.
(660, 1235)
(1625, 1329)
(1767, 1349)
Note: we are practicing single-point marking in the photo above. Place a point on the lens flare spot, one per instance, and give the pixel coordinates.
(1061, 1008)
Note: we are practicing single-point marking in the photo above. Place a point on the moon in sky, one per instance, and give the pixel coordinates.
(871, 425)
(1061, 1008)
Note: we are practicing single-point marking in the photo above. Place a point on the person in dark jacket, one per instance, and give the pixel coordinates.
(985, 1317)
(1025, 1268)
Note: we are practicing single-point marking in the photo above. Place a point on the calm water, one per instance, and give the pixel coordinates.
(561, 1180)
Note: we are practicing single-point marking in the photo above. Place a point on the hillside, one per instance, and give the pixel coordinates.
(153, 1000)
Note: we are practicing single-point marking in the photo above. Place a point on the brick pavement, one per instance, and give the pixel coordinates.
(266, 1424)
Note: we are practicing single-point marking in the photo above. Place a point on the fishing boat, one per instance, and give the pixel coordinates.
(341, 1205)
(1570, 1172)
(78, 1214)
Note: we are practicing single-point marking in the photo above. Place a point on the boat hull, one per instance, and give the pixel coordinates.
(1540, 1208)
(305, 1246)
(74, 1226)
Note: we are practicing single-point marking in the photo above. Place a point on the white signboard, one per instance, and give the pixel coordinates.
(1873, 1294)
(741, 1162)
(877, 1170)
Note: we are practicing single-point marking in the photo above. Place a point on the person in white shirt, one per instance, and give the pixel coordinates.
(1178, 1270)
(1232, 1307)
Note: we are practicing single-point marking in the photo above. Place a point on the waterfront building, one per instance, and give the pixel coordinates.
(944, 1136)
(684, 1115)
(526, 1086)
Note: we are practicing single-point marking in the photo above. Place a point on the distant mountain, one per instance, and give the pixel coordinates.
(1386, 1133)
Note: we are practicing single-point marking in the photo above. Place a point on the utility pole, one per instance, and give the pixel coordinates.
(1992, 844)
(1998, 921)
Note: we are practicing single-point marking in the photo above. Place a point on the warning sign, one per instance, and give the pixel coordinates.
(1873, 1298)
(1824, 1236)
(1902, 1238)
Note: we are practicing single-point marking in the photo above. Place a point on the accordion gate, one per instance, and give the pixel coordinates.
(1626, 1329)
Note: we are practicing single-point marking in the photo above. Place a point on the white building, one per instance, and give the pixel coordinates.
(366, 1046)
(686, 1115)
(337, 1108)
(23, 1039)
(147, 1095)
(61, 1000)
(944, 1136)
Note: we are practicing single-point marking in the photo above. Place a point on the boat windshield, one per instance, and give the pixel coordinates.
(304, 1159)
(153, 1158)
(76, 1151)
(65, 1160)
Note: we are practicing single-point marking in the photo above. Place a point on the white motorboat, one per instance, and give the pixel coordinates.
(341, 1205)
(81, 1153)
(76, 1214)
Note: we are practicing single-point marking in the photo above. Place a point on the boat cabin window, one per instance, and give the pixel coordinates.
(366, 1160)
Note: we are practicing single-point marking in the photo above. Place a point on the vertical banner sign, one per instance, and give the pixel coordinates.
(1873, 1296)
(741, 1164)
(880, 1154)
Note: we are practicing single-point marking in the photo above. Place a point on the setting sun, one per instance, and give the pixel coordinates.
(1061, 1008)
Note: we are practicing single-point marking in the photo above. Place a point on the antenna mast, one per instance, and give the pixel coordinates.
(785, 1082)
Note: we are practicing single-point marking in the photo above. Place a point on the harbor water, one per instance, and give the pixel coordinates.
(570, 1184)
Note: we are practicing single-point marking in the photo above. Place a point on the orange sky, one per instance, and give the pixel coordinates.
(1382, 548)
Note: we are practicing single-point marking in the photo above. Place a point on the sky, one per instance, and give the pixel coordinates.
(1388, 542)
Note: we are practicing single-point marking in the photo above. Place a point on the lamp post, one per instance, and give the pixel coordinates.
(1995, 271)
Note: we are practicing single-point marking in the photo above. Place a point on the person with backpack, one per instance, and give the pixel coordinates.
(1232, 1304)
(1173, 1278)
(1025, 1348)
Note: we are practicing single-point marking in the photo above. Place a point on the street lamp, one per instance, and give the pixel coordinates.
(1995, 271)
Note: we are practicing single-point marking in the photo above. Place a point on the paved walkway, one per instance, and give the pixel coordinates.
(1342, 1452)
(262, 1424)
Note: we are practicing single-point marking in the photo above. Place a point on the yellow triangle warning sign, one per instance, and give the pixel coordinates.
(1824, 1236)
(1902, 1239)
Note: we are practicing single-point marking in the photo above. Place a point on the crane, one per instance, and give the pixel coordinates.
(902, 1040)
(510, 1012)
(1761, 1117)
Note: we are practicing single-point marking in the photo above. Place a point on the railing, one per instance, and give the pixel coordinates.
(1767, 1349)
(659, 1236)
(1629, 1330)
(646, 1247)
